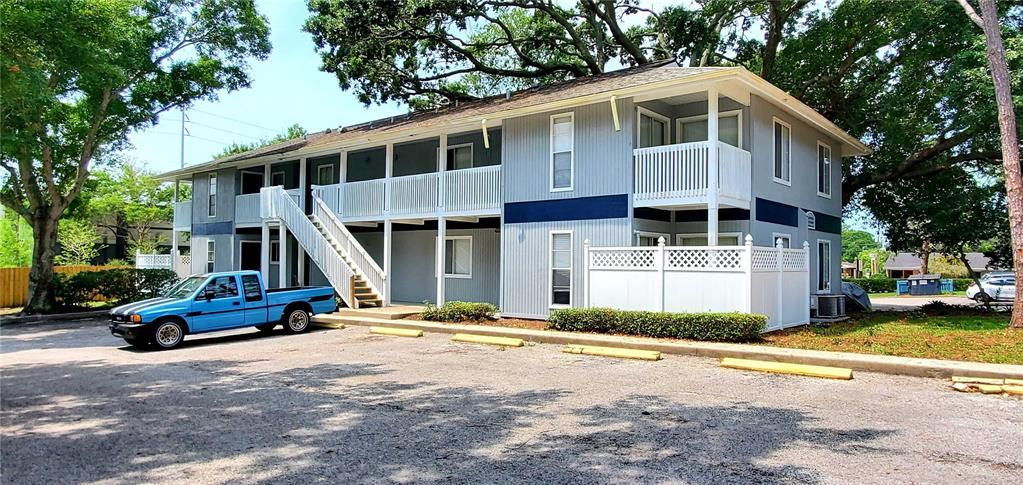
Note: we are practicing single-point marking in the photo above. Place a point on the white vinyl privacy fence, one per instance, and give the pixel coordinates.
(751, 279)
(180, 263)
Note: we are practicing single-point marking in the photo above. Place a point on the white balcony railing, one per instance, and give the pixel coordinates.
(414, 194)
(473, 189)
(678, 174)
(183, 215)
(246, 209)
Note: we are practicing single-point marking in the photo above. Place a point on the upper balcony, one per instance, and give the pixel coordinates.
(677, 176)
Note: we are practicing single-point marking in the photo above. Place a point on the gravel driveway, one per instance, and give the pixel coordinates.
(344, 406)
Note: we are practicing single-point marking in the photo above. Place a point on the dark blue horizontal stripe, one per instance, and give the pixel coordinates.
(777, 212)
(727, 214)
(211, 228)
(827, 223)
(577, 209)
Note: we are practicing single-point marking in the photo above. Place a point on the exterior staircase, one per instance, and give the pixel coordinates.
(355, 276)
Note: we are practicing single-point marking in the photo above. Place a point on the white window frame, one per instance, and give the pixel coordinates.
(275, 252)
(458, 275)
(827, 289)
(666, 121)
(551, 268)
(679, 237)
(571, 164)
(211, 211)
(721, 114)
(211, 256)
(776, 235)
(827, 173)
(639, 234)
(319, 174)
(783, 181)
(472, 155)
(274, 174)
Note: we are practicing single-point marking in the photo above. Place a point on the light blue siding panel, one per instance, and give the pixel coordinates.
(225, 197)
(526, 252)
(603, 156)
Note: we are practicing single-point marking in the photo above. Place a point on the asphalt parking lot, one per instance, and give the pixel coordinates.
(344, 406)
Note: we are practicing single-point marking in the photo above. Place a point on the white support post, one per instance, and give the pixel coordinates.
(660, 262)
(586, 273)
(442, 166)
(442, 232)
(806, 251)
(747, 267)
(780, 282)
(303, 203)
(174, 230)
(388, 173)
(387, 261)
(264, 248)
(712, 166)
(341, 180)
(266, 174)
(282, 267)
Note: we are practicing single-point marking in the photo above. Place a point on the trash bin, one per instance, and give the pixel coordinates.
(925, 284)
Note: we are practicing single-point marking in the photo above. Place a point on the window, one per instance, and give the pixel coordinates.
(276, 178)
(782, 152)
(211, 255)
(786, 239)
(562, 156)
(275, 252)
(823, 170)
(212, 212)
(694, 128)
(324, 174)
(223, 287)
(459, 156)
(724, 239)
(250, 284)
(653, 129)
(458, 257)
(823, 266)
(644, 238)
(561, 269)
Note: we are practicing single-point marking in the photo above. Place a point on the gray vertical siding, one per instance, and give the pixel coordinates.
(603, 156)
(366, 164)
(225, 200)
(416, 157)
(526, 252)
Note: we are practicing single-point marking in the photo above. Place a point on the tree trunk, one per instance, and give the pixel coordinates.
(976, 279)
(1010, 145)
(925, 257)
(40, 277)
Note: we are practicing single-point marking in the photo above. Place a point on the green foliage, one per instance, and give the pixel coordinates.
(292, 132)
(15, 241)
(872, 261)
(459, 311)
(118, 286)
(725, 327)
(941, 308)
(79, 242)
(125, 199)
(875, 285)
(855, 241)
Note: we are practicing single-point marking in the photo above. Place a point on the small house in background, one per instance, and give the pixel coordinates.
(904, 265)
(851, 270)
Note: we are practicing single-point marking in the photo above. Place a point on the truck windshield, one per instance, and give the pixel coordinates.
(186, 287)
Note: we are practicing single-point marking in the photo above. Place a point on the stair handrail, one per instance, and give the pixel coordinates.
(375, 276)
(276, 203)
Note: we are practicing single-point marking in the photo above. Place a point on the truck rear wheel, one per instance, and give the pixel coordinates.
(296, 321)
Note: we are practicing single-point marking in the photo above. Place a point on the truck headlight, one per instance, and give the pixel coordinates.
(136, 318)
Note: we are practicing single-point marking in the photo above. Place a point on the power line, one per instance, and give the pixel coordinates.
(222, 129)
(234, 120)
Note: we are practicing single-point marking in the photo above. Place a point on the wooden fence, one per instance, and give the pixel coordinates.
(14, 282)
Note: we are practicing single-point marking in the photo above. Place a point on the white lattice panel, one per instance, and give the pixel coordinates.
(632, 258)
(703, 258)
(793, 260)
(765, 259)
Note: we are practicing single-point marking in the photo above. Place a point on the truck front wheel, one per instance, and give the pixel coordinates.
(168, 334)
(297, 321)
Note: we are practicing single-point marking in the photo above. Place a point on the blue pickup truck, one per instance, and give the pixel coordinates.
(217, 301)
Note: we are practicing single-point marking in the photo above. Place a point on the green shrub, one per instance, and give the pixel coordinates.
(459, 311)
(724, 327)
(875, 285)
(117, 286)
(961, 284)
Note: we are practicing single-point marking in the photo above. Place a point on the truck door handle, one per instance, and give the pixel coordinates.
(236, 303)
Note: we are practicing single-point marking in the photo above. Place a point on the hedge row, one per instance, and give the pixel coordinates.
(114, 285)
(459, 311)
(888, 285)
(724, 327)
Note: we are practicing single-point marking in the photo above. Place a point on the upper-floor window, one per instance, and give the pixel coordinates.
(782, 152)
(460, 156)
(458, 257)
(324, 174)
(694, 128)
(562, 151)
(823, 170)
(212, 211)
(653, 129)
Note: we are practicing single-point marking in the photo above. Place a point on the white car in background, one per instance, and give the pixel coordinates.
(996, 288)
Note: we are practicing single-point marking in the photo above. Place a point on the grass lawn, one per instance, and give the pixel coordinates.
(979, 338)
(893, 294)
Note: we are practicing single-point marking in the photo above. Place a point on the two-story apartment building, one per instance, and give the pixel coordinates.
(493, 200)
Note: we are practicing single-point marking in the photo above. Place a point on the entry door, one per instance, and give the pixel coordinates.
(223, 309)
(251, 255)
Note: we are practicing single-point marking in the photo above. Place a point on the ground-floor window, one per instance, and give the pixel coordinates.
(458, 256)
(650, 238)
(211, 255)
(561, 268)
(724, 239)
(275, 252)
(786, 239)
(823, 265)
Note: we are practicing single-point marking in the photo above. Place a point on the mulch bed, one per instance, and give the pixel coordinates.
(500, 322)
